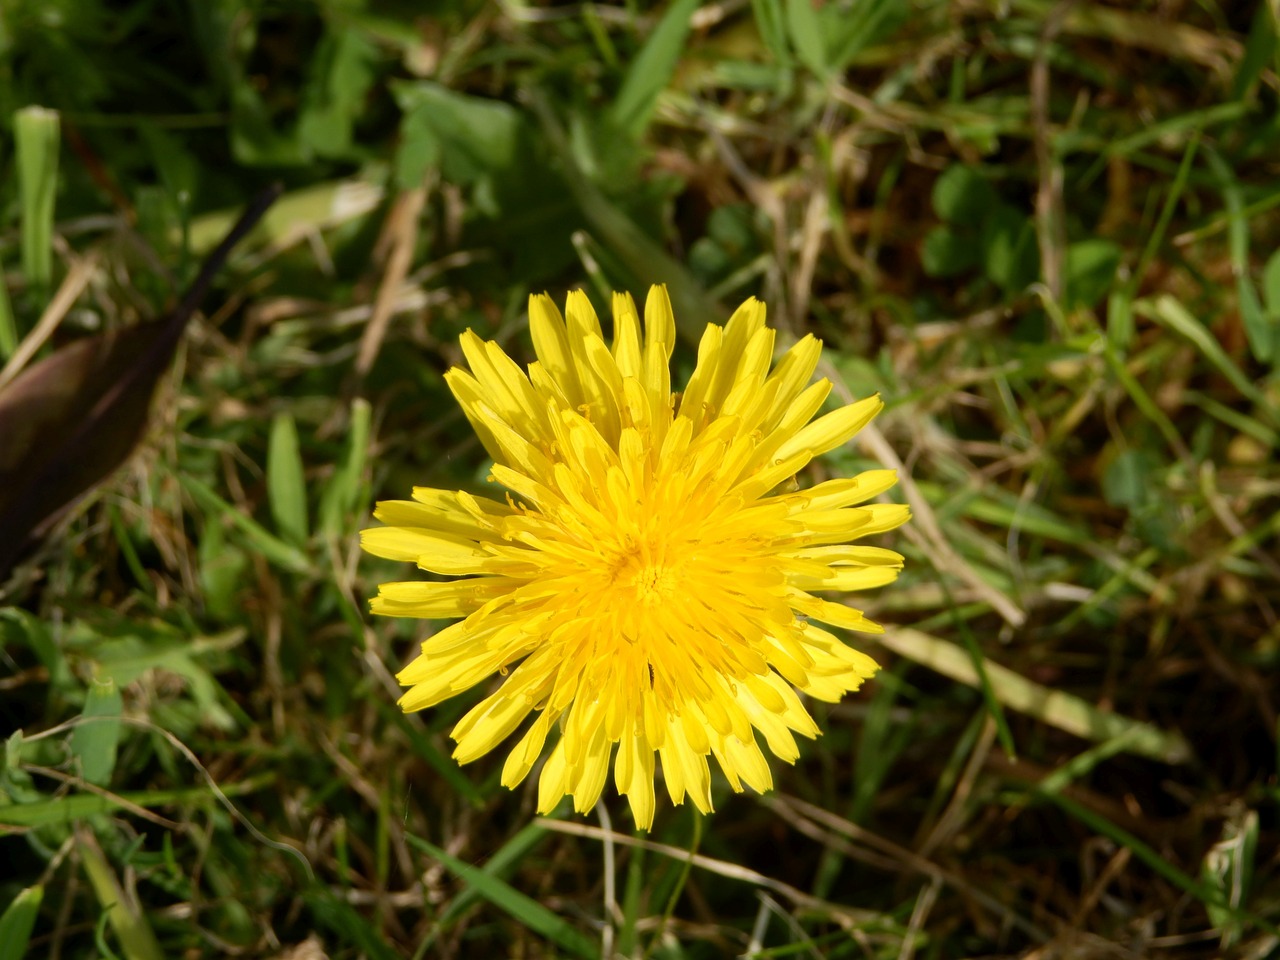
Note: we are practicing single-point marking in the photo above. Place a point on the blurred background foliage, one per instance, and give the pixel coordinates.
(1044, 231)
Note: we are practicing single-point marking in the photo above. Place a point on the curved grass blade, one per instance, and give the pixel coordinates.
(507, 898)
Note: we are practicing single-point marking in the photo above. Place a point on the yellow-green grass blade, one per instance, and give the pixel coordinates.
(124, 914)
(1054, 707)
(286, 485)
(36, 134)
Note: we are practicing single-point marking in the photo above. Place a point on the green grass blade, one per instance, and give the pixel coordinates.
(806, 36)
(502, 863)
(1152, 246)
(36, 139)
(994, 707)
(1169, 312)
(444, 765)
(271, 547)
(524, 909)
(771, 23)
(651, 70)
(642, 255)
(286, 485)
(127, 549)
(632, 897)
(332, 914)
(77, 806)
(8, 323)
(17, 922)
(1259, 51)
(1143, 401)
(345, 490)
(1082, 763)
(1204, 892)
(1261, 330)
(880, 742)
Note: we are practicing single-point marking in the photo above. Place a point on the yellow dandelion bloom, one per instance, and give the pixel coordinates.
(649, 580)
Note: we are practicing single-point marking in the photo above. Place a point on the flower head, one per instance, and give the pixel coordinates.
(649, 580)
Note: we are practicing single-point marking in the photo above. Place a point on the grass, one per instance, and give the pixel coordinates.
(1043, 231)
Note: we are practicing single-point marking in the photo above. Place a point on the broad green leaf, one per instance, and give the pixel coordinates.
(124, 659)
(1010, 256)
(334, 98)
(257, 137)
(22, 626)
(94, 740)
(962, 195)
(476, 136)
(1120, 319)
(947, 253)
(418, 149)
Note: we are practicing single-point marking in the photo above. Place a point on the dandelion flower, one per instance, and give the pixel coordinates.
(648, 583)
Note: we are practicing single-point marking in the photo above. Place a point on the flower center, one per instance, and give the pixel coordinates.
(652, 583)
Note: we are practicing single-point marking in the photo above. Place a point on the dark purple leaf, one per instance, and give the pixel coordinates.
(70, 420)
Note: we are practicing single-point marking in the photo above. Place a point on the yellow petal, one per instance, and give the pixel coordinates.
(487, 724)
(634, 778)
(834, 429)
(525, 753)
(659, 321)
(552, 783)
